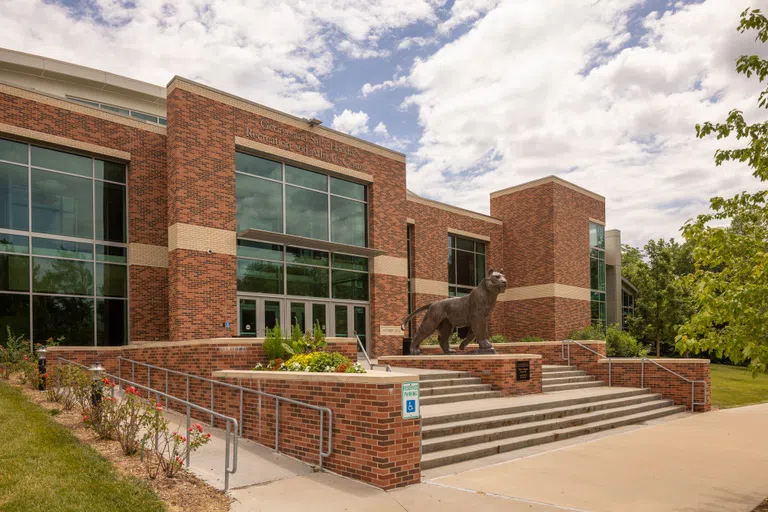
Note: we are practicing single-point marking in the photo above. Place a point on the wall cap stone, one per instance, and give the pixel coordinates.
(660, 360)
(184, 343)
(415, 198)
(372, 377)
(544, 181)
(459, 357)
(540, 343)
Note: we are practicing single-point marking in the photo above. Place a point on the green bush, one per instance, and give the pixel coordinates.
(273, 344)
(315, 362)
(453, 340)
(530, 339)
(592, 332)
(622, 344)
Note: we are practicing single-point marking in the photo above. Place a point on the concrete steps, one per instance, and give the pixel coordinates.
(562, 378)
(449, 387)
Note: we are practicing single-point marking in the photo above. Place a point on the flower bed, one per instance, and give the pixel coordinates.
(313, 362)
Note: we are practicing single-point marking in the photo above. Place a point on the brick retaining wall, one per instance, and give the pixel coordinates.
(551, 352)
(497, 370)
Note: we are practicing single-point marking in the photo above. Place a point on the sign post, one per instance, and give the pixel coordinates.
(410, 399)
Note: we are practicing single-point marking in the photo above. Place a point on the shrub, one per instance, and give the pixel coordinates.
(170, 448)
(15, 355)
(455, 339)
(310, 342)
(133, 416)
(530, 339)
(315, 362)
(498, 338)
(102, 417)
(591, 332)
(622, 344)
(273, 344)
(75, 384)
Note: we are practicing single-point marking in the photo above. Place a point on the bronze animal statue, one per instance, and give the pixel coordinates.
(471, 310)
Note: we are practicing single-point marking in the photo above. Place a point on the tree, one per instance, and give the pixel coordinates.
(661, 306)
(730, 278)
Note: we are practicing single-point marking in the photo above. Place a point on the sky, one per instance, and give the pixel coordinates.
(480, 94)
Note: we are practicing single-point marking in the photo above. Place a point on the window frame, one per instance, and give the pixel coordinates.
(459, 290)
(598, 296)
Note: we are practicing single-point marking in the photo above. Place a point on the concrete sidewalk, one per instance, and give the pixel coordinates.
(714, 461)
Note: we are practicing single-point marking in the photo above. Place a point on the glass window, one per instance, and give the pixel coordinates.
(465, 268)
(61, 204)
(111, 254)
(307, 281)
(466, 264)
(14, 313)
(348, 222)
(350, 262)
(306, 213)
(14, 273)
(259, 204)
(51, 275)
(596, 235)
(307, 179)
(297, 315)
(111, 280)
(111, 322)
(14, 243)
(116, 110)
(144, 117)
(259, 276)
(110, 212)
(258, 166)
(13, 151)
(350, 285)
(464, 244)
(261, 250)
(306, 256)
(109, 171)
(348, 189)
(341, 320)
(60, 161)
(70, 317)
(14, 197)
(62, 248)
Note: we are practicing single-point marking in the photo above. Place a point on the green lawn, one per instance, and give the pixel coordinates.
(733, 386)
(43, 467)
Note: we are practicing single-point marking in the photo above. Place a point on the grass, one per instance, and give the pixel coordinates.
(43, 467)
(733, 386)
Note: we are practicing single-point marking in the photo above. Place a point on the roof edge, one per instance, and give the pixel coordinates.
(543, 181)
(413, 196)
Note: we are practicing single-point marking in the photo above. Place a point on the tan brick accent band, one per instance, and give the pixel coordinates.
(390, 266)
(17, 131)
(148, 255)
(544, 181)
(545, 290)
(297, 157)
(597, 221)
(410, 221)
(429, 287)
(250, 106)
(469, 234)
(79, 108)
(200, 238)
(414, 198)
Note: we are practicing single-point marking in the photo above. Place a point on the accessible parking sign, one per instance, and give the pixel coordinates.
(410, 399)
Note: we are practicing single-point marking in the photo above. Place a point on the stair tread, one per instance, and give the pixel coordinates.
(564, 373)
(629, 410)
(547, 381)
(571, 385)
(552, 435)
(640, 398)
(443, 390)
(442, 376)
(436, 383)
(457, 397)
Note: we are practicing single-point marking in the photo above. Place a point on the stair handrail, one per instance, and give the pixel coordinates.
(568, 343)
(228, 420)
(323, 410)
(370, 364)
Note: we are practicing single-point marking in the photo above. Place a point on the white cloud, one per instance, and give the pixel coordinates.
(419, 42)
(273, 53)
(624, 129)
(381, 129)
(369, 88)
(466, 11)
(353, 123)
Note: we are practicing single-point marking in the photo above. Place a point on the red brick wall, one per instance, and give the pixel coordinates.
(550, 352)
(371, 441)
(572, 211)
(147, 182)
(499, 372)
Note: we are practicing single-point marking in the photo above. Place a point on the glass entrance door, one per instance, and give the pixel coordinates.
(350, 320)
(361, 324)
(258, 315)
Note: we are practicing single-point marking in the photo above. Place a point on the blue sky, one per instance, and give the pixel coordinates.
(480, 94)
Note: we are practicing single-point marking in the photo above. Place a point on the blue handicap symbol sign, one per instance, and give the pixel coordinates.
(410, 405)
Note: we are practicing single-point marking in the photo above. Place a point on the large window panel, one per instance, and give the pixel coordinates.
(348, 189)
(110, 171)
(14, 313)
(70, 317)
(61, 204)
(13, 151)
(60, 161)
(110, 212)
(62, 248)
(306, 213)
(111, 322)
(465, 268)
(307, 281)
(348, 222)
(259, 276)
(350, 285)
(307, 179)
(14, 243)
(14, 213)
(260, 250)
(111, 280)
(259, 204)
(51, 275)
(14, 273)
(306, 256)
(258, 166)
(349, 262)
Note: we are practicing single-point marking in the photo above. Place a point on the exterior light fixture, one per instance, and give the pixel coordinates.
(42, 365)
(314, 122)
(96, 392)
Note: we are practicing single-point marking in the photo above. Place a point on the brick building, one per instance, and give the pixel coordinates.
(131, 212)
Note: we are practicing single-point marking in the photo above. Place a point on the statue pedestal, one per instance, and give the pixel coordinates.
(512, 374)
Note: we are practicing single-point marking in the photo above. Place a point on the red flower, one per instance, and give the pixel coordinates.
(158, 407)
(45, 375)
(208, 436)
(131, 390)
(198, 426)
(85, 418)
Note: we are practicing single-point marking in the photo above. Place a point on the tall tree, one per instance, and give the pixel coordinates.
(730, 278)
(662, 306)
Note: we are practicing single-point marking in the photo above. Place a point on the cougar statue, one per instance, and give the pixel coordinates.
(471, 310)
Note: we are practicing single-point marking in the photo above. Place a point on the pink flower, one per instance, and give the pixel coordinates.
(158, 407)
(131, 390)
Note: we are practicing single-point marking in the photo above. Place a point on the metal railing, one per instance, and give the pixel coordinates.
(693, 383)
(324, 411)
(368, 359)
(189, 406)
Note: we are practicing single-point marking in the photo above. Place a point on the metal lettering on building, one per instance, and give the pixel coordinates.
(390, 330)
(231, 349)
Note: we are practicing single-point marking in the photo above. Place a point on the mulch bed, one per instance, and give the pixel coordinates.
(182, 493)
